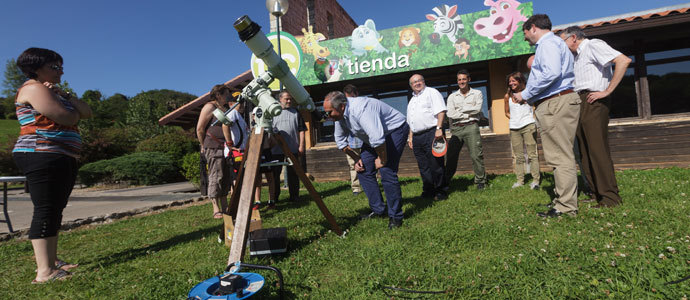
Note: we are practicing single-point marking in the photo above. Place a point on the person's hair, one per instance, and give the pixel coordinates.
(542, 21)
(217, 91)
(33, 59)
(462, 40)
(520, 78)
(283, 92)
(351, 89)
(420, 76)
(336, 98)
(574, 30)
(463, 72)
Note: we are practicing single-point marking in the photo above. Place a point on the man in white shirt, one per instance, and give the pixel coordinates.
(425, 113)
(464, 110)
(594, 82)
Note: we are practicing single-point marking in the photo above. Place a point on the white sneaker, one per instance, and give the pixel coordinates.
(534, 186)
(516, 185)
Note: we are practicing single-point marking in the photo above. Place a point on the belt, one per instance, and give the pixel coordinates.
(584, 92)
(553, 96)
(461, 124)
(424, 131)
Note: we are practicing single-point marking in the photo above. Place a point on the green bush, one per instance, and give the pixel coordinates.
(190, 167)
(140, 168)
(7, 165)
(105, 143)
(176, 144)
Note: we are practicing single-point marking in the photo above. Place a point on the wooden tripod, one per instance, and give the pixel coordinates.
(248, 178)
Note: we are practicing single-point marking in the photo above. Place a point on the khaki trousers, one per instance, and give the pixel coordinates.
(354, 181)
(521, 139)
(469, 135)
(593, 139)
(557, 119)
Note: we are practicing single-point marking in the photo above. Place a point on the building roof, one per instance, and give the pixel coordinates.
(186, 116)
(630, 17)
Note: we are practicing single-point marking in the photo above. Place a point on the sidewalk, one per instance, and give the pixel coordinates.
(84, 204)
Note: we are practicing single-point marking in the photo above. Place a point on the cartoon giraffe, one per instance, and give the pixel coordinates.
(310, 44)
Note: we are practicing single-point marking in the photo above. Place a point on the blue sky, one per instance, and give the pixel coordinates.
(129, 46)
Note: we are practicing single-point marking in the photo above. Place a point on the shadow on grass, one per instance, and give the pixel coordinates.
(132, 254)
(345, 223)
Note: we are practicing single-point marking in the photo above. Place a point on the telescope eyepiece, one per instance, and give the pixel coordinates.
(246, 28)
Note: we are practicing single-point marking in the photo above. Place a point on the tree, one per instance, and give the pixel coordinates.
(14, 78)
(114, 109)
(147, 107)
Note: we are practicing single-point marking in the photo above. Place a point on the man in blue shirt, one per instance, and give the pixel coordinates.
(557, 109)
(383, 131)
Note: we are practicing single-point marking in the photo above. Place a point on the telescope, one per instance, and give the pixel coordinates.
(257, 90)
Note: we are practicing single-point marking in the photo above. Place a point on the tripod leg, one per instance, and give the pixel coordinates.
(307, 183)
(235, 196)
(239, 236)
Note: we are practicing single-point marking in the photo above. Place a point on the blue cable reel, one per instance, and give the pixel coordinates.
(232, 284)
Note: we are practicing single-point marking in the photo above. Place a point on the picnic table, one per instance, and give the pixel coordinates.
(5, 180)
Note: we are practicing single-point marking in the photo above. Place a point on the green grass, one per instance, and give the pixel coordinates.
(475, 245)
(8, 127)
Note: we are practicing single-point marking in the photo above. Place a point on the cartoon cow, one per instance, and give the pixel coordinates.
(365, 38)
(503, 21)
(310, 44)
(446, 22)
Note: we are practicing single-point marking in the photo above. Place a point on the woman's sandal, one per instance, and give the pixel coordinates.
(59, 275)
(217, 215)
(63, 265)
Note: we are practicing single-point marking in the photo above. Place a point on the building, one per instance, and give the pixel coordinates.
(650, 120)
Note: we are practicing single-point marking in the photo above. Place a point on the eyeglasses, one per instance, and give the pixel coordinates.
(56, 67)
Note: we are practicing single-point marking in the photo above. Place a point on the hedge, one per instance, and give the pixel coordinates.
(176, 144)
(191, 167)
(140, 168)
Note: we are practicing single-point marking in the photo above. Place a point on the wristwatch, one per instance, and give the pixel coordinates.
(439, 127)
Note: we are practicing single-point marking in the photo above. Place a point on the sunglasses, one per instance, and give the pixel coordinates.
(327, 114)
(56, 67)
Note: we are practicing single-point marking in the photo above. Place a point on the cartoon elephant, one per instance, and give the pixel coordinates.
(365, 38)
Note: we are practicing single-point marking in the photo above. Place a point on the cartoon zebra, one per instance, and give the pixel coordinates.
(446, 22)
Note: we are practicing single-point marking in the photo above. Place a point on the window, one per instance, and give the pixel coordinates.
(624, 97)
(397, 100)
(331, 30)
(668, 74)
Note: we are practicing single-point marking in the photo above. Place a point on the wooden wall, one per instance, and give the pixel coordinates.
(634, 146)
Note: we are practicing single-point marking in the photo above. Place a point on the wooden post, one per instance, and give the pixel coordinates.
(242, 196)
(644, 109)
(244, 209)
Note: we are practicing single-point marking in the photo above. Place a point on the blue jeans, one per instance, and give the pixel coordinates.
(395, 144)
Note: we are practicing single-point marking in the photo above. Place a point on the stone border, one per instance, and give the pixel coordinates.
(104, 219)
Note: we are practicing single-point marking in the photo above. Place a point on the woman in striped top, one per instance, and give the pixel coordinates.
(46, 151)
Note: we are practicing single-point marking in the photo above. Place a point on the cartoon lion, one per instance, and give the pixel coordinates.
(409, 37)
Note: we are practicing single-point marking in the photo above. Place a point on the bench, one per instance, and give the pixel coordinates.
(5, 180)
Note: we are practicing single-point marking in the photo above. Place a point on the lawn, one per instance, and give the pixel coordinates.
(475, 245)
(8, 127)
